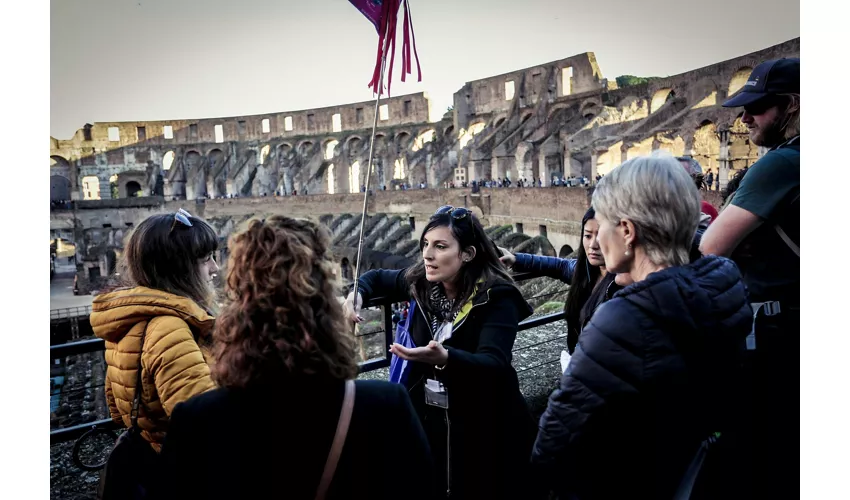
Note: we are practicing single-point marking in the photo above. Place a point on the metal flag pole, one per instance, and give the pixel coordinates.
(369, 172)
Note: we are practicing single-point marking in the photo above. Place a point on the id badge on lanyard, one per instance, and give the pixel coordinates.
(436, 394)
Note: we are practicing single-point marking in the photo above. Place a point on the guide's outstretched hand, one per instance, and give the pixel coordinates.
(351, 308)
(507, 258)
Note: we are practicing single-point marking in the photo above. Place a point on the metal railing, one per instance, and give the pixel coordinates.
(94, 345)
(70, 312)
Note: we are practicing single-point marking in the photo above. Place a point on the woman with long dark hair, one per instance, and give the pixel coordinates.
(463, 322)
(590, 282)
(166, 314)
(285, 368)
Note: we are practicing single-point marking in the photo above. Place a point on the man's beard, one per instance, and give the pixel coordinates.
(771, 135)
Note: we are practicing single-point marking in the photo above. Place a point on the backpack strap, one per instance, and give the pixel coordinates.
(339, 440)
(137, 397)
(781, 232)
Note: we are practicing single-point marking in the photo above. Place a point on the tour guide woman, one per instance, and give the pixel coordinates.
(463, 321)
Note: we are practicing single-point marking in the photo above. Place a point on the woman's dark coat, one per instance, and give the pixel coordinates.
(655, 372)
(491, 427)
(273, 441)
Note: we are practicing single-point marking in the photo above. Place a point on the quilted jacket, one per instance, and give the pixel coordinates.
(654, 374)
(174, 365)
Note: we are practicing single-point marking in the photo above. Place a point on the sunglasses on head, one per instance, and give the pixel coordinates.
(182, 217)
(456, 213)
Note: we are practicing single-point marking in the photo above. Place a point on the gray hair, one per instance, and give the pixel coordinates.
(659, 198)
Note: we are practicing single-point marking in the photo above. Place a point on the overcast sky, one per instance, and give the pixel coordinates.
(127, 60)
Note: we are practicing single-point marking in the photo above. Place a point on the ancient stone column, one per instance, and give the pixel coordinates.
(723, 159)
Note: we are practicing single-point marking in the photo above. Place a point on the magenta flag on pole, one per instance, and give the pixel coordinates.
(371, 9)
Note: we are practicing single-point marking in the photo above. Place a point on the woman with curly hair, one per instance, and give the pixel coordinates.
(284, 366)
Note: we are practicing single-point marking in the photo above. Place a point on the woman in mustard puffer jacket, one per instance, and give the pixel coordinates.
(170, 266)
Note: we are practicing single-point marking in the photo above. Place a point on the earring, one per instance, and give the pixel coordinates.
(628, 247)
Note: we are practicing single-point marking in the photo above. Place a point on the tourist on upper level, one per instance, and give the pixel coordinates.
(694, 169)
(590, 283)
(464, 312)
(161, 325)
(760, 230)
(656, 367)
(284, 364)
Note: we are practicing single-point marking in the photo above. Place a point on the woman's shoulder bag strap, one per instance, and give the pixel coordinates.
(339, 440)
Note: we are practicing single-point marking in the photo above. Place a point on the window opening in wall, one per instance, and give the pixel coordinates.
(91, 188)
(336, 121)
(140, 133)
(87, 132)
(219, 133)
(535, 83)
(287, 123)
(398, 171)
(311, 121)
(240, 127)
(193, 131)
(543, 231)
(359, 115)
(519, 228)
(114, 135)
(266, 126)
(354, 178)
(331, 179)
(406, 108)
(329, 149)
(566, 81)
(168, 132)
(412, 222)
(510, 90)
(167, 160)
(384, 112)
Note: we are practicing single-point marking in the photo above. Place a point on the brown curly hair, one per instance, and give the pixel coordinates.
(282, 318)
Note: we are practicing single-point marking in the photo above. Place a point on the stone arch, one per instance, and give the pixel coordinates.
(449, 131)
(329, 148)
(402, 141)
(345, 269)
(739, 78)
(565, 251)
(132, 189)
(425, 136)
(60, 188)
(218, 173)
(264, 154)
(196, 181)
(167, 161)
(526, 117)
(304, 147)
(553, 110)
(706, 145)
(499, 121)
(659, 98)
(589, 109)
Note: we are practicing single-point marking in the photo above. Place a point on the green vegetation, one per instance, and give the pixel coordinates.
(550, 307)
(629, 80)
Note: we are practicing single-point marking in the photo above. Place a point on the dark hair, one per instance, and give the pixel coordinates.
(581, 286)
(282, 318)
(733, 184)
(486, 264)
(163, 253)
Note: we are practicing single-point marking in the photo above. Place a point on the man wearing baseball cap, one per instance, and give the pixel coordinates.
(760, 231)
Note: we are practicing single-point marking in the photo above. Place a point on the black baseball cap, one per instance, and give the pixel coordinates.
(778, 76)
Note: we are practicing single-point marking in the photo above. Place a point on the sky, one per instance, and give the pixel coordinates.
(136, 60)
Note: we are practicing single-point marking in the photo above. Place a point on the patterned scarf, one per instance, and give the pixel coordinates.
(443, 308)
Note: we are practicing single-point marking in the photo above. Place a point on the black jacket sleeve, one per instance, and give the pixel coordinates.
(179, 457)
(498, 333)
(384, 283)
(607, 365)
